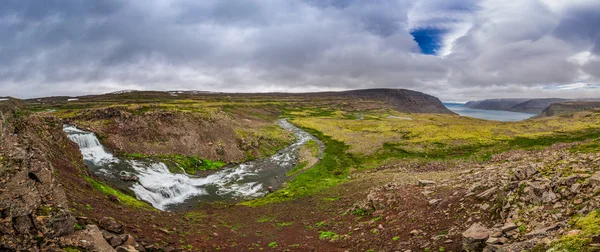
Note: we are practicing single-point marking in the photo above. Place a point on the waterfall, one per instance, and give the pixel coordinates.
(90, 146)
(162, 189)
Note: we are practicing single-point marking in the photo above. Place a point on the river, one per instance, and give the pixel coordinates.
(176, 191)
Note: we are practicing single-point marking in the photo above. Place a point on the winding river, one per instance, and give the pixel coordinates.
(177, 191)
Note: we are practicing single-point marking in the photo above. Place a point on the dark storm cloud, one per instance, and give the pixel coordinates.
(52, 47)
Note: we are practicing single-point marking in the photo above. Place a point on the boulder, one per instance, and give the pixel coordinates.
(474, 238)
(111, 225)
(89, 239)
(129, 240)
(487, 194)
(525, 172)
(508, 227)
(595, 180)
(520, 246)
(549, 196)
(426, 182)
(542, 231)
(126, 248)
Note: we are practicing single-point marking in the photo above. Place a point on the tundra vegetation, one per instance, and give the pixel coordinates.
(366, 144)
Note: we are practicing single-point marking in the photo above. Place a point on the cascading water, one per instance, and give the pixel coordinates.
(166, 190)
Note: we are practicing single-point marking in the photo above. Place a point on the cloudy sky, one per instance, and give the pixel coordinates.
(454, 49)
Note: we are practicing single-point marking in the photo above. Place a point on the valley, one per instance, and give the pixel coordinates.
(375, 170)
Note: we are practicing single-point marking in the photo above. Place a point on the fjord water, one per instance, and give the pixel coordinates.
(171, 191)
(494, 115)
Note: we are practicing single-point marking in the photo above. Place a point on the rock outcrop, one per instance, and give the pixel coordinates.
(33, 205)
(403, 100)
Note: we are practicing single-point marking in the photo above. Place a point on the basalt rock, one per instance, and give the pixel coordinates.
(32, 202)
(475, 237)
(111, 225)
(89, 239)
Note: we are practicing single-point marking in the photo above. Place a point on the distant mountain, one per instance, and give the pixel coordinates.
(535, 106)
(532, 106)
(494, 104)
(569, 107)
(402, 100)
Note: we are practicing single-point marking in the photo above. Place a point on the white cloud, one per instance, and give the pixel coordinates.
(492, 48)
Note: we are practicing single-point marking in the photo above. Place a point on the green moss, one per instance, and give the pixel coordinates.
(284, 224)
(329, 171)
(589, 226)
(264, 219)
(195, 216)
(328, 235)
(589, 147)
(124, 198)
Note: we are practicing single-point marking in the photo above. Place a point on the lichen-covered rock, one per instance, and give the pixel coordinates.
(111, 225)
(475, 237)
(89, 239)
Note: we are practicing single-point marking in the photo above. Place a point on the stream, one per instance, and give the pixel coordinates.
(165, 190)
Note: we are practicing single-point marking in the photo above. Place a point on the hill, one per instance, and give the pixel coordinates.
(402, 100)
(563, 108)
(532, 106)
(494, 104)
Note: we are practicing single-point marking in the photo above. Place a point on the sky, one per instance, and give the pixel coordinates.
(457, 50)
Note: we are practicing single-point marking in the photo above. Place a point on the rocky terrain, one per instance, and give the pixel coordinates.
(35, 211)
(518, 201)
(565, 108)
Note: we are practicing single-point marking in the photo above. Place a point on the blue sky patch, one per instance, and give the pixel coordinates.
(429, 39)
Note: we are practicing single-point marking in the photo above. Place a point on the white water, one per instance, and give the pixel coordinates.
(90, 147)
(161, 188)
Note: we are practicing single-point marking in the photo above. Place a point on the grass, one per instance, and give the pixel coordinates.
(353, 144)
(447, 136)
(124, 198)
(588, 147)
(329, 171)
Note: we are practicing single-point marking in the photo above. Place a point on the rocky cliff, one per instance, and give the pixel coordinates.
(569, 108)
(494, 104)
(33, 204)
(403, 100)
(42, 177)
